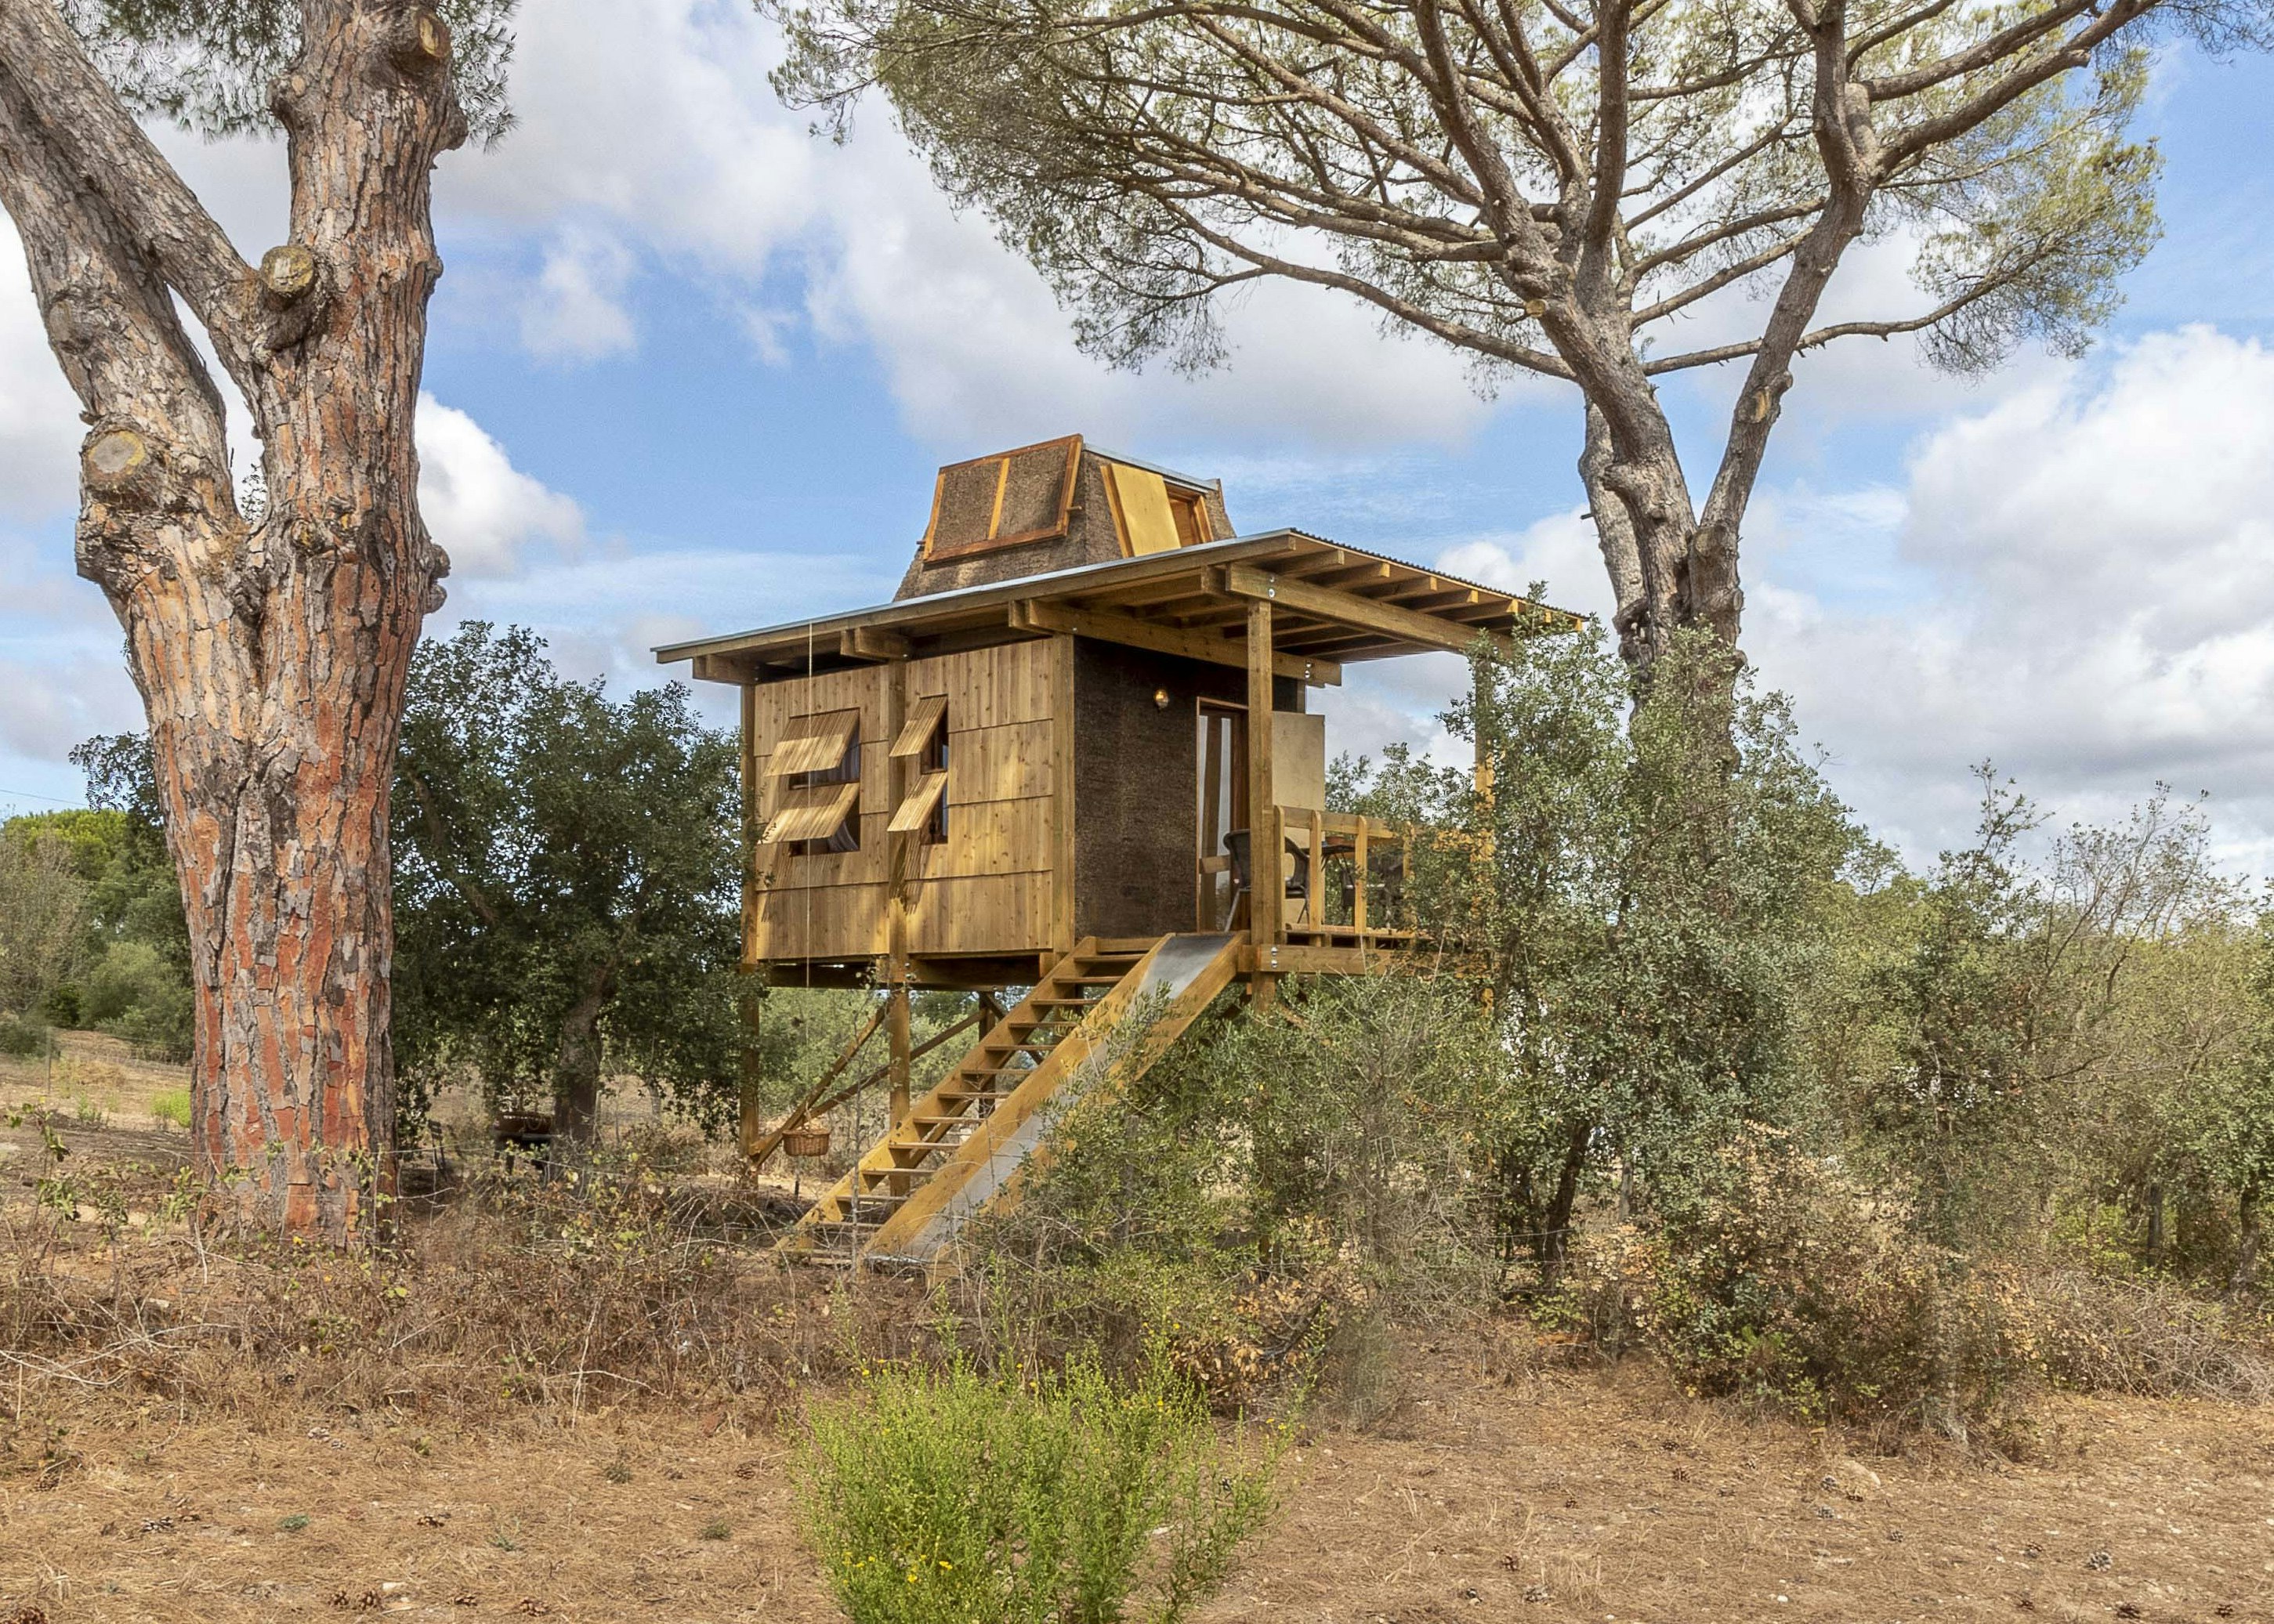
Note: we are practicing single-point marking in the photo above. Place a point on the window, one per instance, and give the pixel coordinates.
(923, 739)
(815, 771)
(1004, 500)
(1153, 514)
(1189, 510)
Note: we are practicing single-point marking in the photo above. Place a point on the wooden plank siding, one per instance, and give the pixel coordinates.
(989, 887)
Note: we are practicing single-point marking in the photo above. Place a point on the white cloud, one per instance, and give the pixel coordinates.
(1560, 551)
(576, 311)
(50, 704)
(651, 127)
(40, 428)
(2092, 607)
(477, 505)
(2077, 582)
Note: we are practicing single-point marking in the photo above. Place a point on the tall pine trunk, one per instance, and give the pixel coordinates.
(271, 648)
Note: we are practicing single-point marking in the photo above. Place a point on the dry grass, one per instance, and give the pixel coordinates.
(583, 1406)
(2149, 1337)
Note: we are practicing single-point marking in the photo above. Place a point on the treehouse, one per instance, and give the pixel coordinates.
(1074, 756)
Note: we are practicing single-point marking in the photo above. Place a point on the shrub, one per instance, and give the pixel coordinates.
(21, 1034)
(171, 1105)
(135, 992)
(1787, 1282)
(937, 1495)
(2148, 1337)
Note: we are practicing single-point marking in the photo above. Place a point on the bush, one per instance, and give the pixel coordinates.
(1788, 1283)
(947, 1495)
(2146, 1337)
(171, 1105)
(21, 1035)
(135, 992)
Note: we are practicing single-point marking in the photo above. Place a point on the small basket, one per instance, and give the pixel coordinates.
(806, 1142)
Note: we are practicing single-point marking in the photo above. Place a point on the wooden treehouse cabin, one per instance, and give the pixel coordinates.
(1072, 757)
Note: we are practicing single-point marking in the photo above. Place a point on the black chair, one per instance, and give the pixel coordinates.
(1237, 847)
(1386, 879)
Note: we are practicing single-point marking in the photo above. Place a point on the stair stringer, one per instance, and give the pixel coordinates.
(835, 1204)
(1182, 974)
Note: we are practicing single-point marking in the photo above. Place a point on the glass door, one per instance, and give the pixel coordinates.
(1222, 777)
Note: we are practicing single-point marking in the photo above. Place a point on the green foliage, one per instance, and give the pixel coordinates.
(565, 871)
(23, 1035)
(43, 913)
(171, 1106)
(1644, 896)
(209, 64)
(1149, 159)
(1789, 1282)
(1698, 1067)
(130, 974)
(133, 991)
(939, 1495)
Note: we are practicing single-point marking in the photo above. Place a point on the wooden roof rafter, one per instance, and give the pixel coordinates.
(1335, 604)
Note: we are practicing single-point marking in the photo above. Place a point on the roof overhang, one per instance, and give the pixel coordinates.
(1330, 604)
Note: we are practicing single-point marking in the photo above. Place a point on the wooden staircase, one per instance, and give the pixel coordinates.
(903, 1203)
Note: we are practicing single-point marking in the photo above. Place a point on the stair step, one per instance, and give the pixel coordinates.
(875, 1202)
(1009, 1059)
(920, 1148)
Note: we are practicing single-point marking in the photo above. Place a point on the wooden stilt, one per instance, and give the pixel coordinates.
(1266, 855)
(896, 1035)
(752, 1119)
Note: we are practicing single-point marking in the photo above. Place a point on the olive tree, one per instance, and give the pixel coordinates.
(1606, 193)
(269, 634)
(568, 867)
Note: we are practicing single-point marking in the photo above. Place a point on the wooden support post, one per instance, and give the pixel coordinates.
(753, 1121)
(1481, 689)
(899, 774)
(1314, 895)
(749, 821)
(896, 1035)
(1062, 788)
(1363, 858)
(1266, 858)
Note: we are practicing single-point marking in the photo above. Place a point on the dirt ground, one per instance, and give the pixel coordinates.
(1566, 1496)
(1569, 1497)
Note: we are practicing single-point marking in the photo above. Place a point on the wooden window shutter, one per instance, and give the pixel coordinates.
(1004, 500)
(812, 814)
(924, 715)
(814, 744)
(916, 811)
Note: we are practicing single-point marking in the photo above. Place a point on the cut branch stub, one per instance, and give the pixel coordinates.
(113, 457)
(287, 271)
(422, 43)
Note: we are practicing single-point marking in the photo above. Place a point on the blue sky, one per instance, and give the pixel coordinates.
(691, 371)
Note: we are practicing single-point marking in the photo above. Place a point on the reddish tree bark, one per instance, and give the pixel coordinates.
(271, 649)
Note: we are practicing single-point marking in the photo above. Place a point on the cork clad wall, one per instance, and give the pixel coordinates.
(1137, 783)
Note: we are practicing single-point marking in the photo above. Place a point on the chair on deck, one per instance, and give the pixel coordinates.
(1237, 847)
(1386, 880)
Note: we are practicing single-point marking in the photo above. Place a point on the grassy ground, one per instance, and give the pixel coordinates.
(264, 1474)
